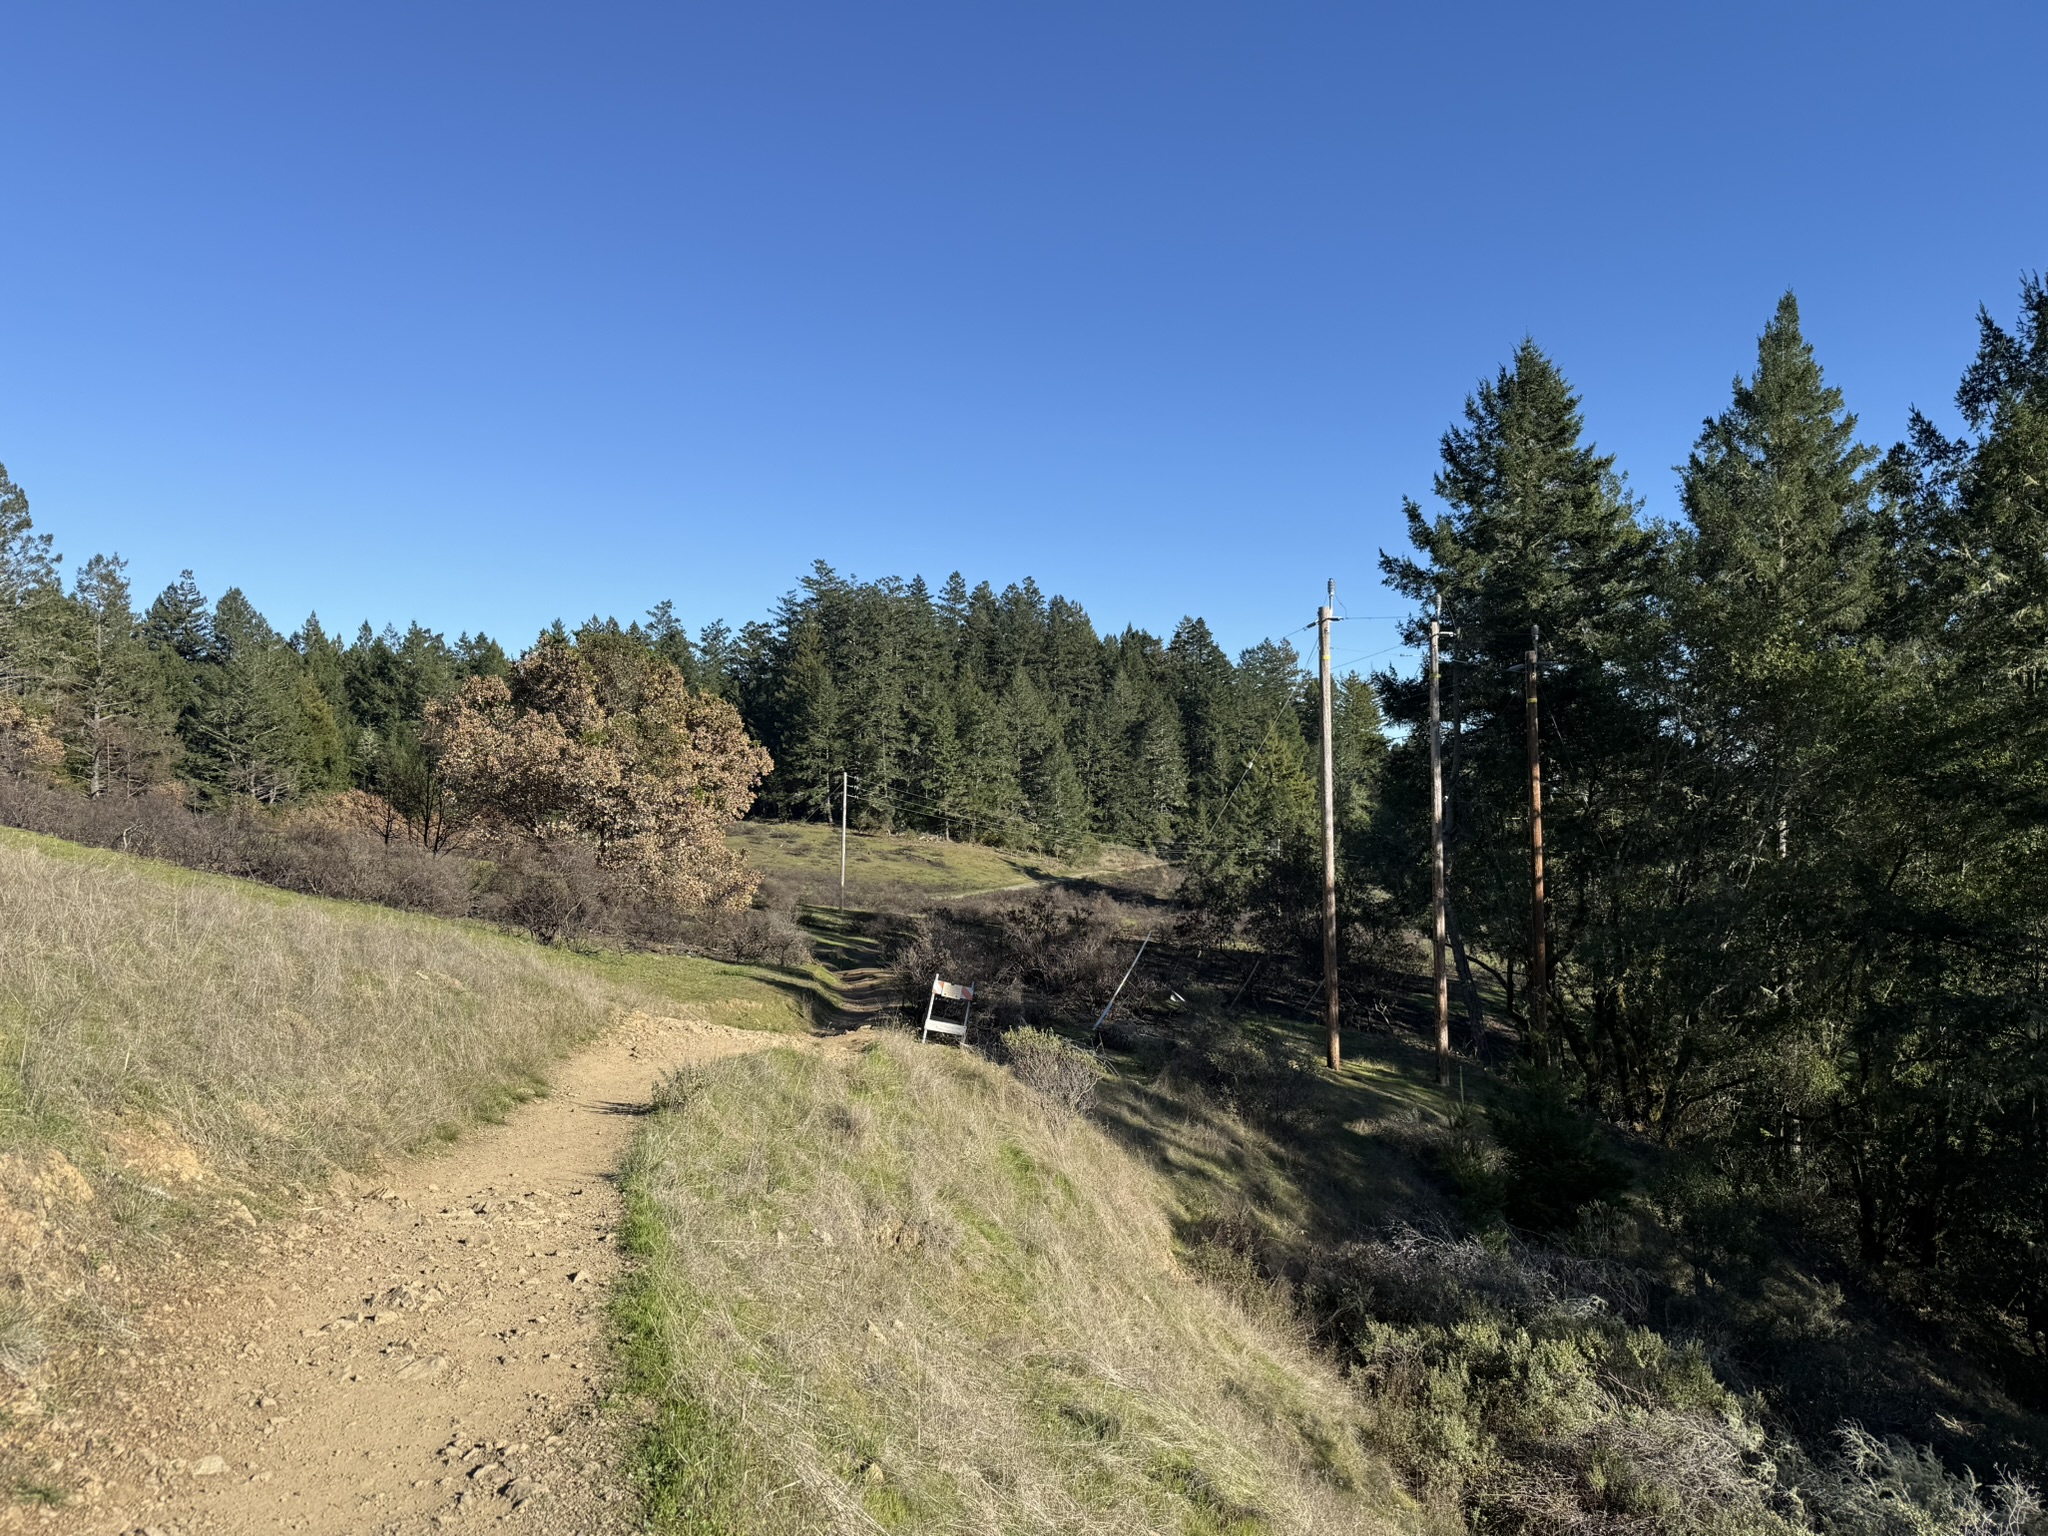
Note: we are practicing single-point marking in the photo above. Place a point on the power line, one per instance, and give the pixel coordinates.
(1399, 645)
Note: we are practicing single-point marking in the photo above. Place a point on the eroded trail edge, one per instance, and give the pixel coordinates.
(405, 1356)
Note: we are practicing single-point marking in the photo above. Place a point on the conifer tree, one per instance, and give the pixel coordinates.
(114, 720)
(1159, 776)
(1777, 566)
(670, 641)
(259, 725)
(178, 622)
(805, 735)
(29, 592)
(177, 634)
(1200, 679)
(1540, 535)
(991, 766)
(479, 655)
(326, 663)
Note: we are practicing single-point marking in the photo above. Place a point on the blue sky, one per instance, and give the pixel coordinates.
(488, 314)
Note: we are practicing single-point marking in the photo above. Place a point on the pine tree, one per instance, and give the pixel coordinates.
(1931, 1114)
(1199, 677)
(1780, 555)
(991, 766)
(177, 633)
(326, 662)
(178, 622)
(259, 726)
(806, 740)
(29, 593)
(115, 722)
(930, 776)
(1160, 775)
(479, 655)
(1054, 808)
(1541, 533)
(1359, 750)
(670, 641)
(1776, 572)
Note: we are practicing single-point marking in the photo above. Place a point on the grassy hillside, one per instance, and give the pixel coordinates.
(880, 866)
(895, 871)
(890, 1292)
(1540, 1325)
(1665, 1364)
(178, 1050)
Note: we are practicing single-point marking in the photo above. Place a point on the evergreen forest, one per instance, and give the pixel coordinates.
(1795, 752)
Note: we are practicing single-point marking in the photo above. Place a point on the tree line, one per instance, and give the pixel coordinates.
(588, 765)
(1006, 717)
(1795, 747)
(1796, 786)
(1001, 717)
(998, 717)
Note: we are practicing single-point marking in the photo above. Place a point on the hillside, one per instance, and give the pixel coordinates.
(1542, 1324)
(893, 871)
(895, 1291)
(183, 1050)
(1194, 1284)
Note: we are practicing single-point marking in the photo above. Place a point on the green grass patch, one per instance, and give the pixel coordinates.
(882, 861)
(885, 1290)
(744, 996)
(891, 871)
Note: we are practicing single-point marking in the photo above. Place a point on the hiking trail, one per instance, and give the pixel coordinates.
(420, 1353)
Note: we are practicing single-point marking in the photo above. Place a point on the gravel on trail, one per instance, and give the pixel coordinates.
(416, 1355)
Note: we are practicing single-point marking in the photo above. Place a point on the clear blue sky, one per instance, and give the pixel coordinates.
(484, 314)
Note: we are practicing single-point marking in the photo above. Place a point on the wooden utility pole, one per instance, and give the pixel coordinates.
(1436, 847)
(1539, 961)
(1324, 616)
(845, 795)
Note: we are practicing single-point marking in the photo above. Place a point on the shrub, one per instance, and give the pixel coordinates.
(1257, 1077)
(1555, 1161)
(1519, 1383)
(1060, 1075)
(1890, 1488)
(751, 936)
(553, 890)
(1051, 959)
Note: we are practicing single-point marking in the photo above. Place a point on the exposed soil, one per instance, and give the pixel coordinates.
(411, 1356)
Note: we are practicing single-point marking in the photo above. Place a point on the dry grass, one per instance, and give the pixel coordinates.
(180, 1050)
(901, 872)
(881, 867)
(891, 1292)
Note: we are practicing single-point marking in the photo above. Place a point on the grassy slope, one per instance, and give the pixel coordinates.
(176, 1048)
(886, 1291)
(1492, 1382)
(806, 855)
(885, 870)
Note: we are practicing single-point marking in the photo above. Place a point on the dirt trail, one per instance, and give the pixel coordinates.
(412, 1356)
(866, 993)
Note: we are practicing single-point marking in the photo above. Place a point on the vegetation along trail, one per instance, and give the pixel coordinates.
(407, 1354)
